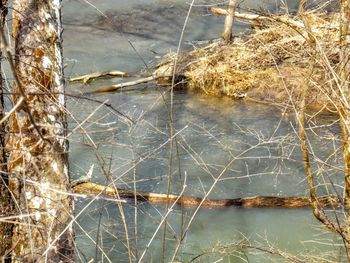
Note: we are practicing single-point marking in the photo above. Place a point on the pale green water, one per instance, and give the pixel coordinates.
(211, 131)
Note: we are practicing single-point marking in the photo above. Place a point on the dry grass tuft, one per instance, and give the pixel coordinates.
(269, 64)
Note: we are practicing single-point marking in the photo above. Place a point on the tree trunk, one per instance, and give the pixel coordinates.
(6, 204)
(227, 35)
(344, 110)
(38, 149)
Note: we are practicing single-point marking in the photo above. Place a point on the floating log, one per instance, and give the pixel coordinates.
(93, 189)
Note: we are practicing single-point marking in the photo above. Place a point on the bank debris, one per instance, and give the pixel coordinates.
(271, 63)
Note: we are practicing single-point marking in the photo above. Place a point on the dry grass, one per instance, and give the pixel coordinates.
(269, 64)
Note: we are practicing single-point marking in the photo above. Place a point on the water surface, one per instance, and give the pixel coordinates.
(211, 133)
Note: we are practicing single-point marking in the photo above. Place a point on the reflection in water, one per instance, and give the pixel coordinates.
(211, 133)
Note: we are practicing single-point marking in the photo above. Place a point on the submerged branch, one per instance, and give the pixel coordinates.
(191, 201)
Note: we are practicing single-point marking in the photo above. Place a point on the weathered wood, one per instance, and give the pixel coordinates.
(40, 154)
(190, 201)
(121, 85)
(112, 73)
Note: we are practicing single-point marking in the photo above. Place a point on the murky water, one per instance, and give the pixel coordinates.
(211, 133)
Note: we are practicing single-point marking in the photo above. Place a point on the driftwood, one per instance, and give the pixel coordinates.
(93, 189)
(121, 85)
(113, 73)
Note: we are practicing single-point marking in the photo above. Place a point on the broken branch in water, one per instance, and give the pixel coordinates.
(190, 201)
(121, 85)
(113, 73)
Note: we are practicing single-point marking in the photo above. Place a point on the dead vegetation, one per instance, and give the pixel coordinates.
(269, 64)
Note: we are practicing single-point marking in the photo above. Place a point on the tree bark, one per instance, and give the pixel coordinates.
(6, 204)
(38, 149)
(344, 109)
(227, 35)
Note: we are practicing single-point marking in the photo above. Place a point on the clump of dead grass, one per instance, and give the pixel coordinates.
(270, 64)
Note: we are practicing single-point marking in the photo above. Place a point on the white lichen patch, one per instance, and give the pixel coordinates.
(36, 202)
(57, 79)
(46, 62)
(51, 117)
(53, 109)
(54, 167)
(37, 215)
(48, 202)
(44, 186)
(56, 5)
(28, 156)
(59, 86)
(58, 128)
(65, 170)
(28, 195)
(52, 212)
(47, 15)
(51, 28)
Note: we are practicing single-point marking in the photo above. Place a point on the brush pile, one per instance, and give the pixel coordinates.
(272, 63)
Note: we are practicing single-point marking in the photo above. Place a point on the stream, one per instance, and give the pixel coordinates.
(245, 149)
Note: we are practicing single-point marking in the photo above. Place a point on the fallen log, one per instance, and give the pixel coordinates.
(93, 189)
